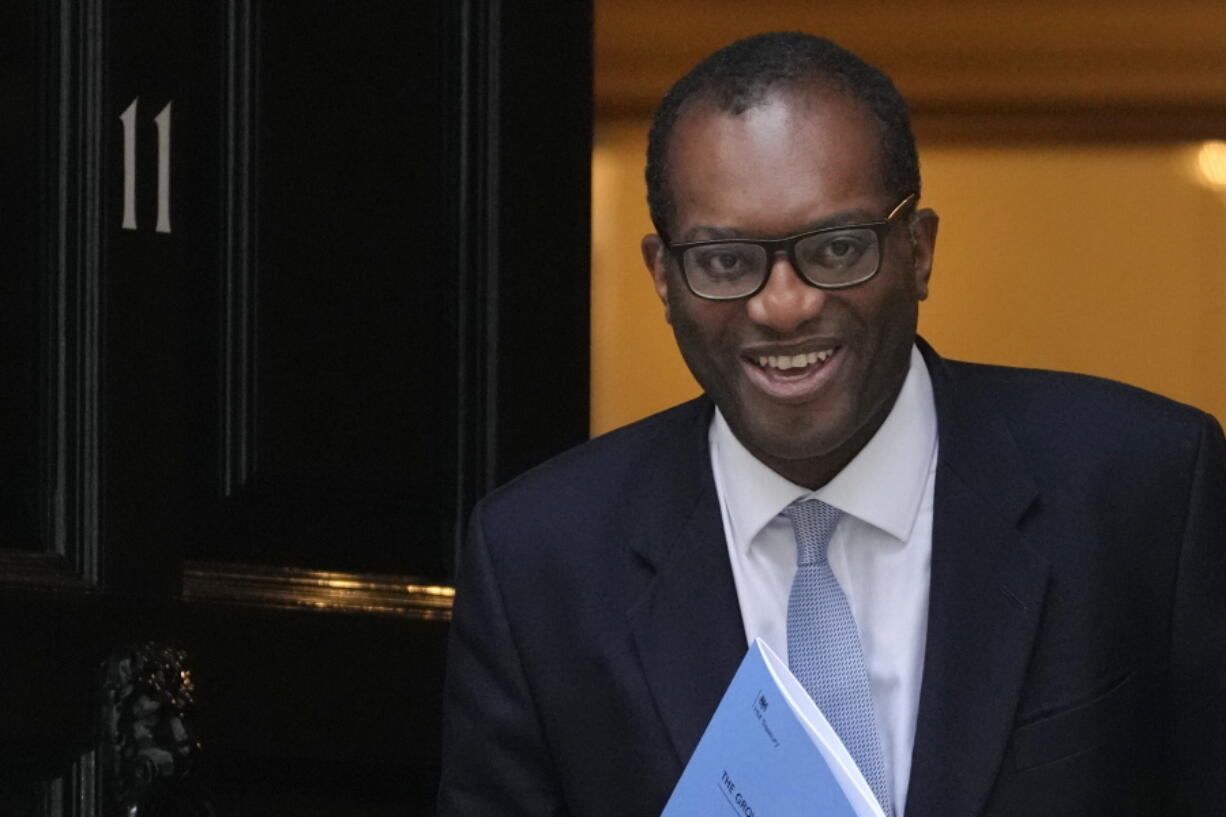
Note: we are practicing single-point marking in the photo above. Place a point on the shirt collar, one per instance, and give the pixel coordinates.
(883, 485)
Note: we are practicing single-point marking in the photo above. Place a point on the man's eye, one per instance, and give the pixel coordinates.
(840, 248)
(837, 250)
(722, 261)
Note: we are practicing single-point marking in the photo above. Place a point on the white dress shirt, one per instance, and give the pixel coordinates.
(880, 553)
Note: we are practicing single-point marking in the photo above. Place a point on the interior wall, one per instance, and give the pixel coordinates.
(636, 368)
(1107, 260)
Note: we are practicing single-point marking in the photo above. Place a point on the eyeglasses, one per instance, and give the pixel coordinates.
(725, 269)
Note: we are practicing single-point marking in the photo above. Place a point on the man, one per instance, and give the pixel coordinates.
(1034, 563)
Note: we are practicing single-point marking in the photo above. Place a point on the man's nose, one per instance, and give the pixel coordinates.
(786, 301)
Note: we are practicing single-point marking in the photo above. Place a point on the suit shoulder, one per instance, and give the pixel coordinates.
(1055, 387)
(599, 469)
(1095, 410)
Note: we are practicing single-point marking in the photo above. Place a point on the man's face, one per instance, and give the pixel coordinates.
(803, 159)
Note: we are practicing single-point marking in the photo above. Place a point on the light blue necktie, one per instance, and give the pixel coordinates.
(824, 651)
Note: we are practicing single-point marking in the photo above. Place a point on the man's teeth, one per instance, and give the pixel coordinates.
(785, 362)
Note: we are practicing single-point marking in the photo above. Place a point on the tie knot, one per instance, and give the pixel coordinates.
(813, 522)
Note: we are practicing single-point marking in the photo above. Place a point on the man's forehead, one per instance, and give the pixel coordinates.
(848, 215)
(799, 116)
(803, 99)
(815, 155)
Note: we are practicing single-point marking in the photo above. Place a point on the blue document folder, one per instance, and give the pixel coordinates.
(769, 752)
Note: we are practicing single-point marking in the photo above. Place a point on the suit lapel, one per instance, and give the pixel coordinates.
(687, 625)
(985, 603)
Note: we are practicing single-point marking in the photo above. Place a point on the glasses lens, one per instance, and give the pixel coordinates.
(724, 270)
(838, 257)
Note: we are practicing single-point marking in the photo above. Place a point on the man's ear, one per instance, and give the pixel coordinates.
(923, 242)
(655, 257)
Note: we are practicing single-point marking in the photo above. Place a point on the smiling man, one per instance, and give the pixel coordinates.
(802, 344)
(1003, 587)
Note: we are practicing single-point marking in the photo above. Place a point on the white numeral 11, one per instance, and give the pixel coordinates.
(162, 120)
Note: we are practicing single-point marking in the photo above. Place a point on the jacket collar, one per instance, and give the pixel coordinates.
(985, 601)
(687, 624)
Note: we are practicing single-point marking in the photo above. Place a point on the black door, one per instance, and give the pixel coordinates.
(287, 286)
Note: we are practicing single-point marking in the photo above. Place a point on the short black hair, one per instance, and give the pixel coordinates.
(741, 75)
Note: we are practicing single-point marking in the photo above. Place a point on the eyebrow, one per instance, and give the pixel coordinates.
(708, 232)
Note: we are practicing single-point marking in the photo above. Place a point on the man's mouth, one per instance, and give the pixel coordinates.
(793, 378)
(802, 360)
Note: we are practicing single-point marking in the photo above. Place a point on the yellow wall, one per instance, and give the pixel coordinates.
(636, 368)
(1105, 260)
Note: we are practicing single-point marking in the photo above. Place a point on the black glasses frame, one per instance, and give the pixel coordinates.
(787, 245)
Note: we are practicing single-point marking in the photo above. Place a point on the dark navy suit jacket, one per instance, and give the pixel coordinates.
(1076, 649)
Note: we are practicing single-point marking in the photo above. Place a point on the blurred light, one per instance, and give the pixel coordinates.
(1211, 164)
